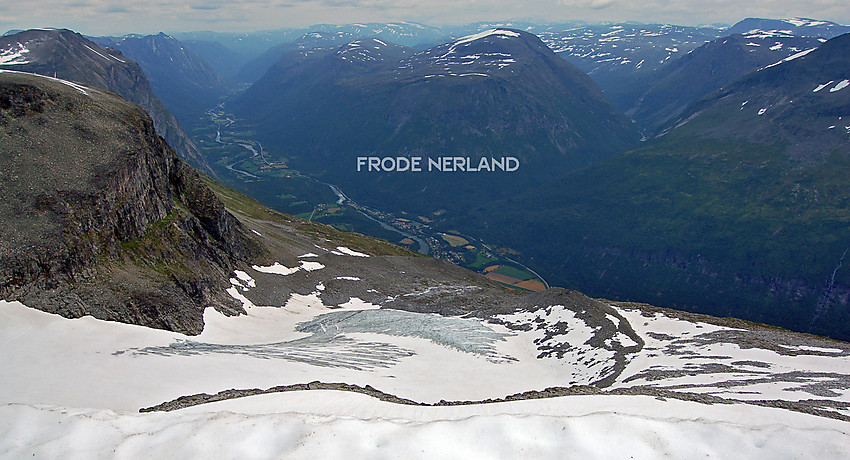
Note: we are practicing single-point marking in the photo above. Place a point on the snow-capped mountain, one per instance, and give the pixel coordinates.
(710, 67)
(620, 58)
(277, 43)
(484, 54)
(798, 99)
(402, 33)
(627, 60)
(607, 48)
(497, 93)
(65, 54)
(311, 42)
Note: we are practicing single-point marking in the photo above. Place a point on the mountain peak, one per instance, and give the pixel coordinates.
(492, 52)
(498, 33)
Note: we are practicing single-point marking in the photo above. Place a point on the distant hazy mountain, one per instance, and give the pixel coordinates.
(798, 104)
(224, 60)
(740, 209)
(64, 54)
(246, 57)
(494, 94)
(254, 69)
(634, 63)
(801, 27)
(182, 80)
(402, 33)
(621, 58)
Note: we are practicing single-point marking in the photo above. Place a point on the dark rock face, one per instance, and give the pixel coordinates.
(100, 217)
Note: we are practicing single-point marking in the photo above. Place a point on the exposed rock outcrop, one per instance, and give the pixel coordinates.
(100, 217)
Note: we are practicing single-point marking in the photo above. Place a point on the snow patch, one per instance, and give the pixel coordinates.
(107, 57)
(278, 269)
(789, 58)
(820, 87)
(801, 22)
(82, 89)
(501, 33)
(311, 266)
(841, 85)
(246, 278)
(14, 55)
(350, 252)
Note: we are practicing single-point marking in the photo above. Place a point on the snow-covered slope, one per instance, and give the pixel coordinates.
(680, 385)
(312, 425)
(476, 55)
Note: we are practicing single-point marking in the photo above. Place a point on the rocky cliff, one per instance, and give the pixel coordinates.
(100, 217)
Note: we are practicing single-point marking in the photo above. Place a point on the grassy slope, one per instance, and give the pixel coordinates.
(243, 205)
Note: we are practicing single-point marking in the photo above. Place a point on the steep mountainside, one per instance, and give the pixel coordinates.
(740, 209)
(494, 94)
(799, 103)
(223, 60)
(100, 217)
(64, 54)
(710, 67)
(181, 79)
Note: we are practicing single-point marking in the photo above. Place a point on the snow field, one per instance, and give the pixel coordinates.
(311, 426)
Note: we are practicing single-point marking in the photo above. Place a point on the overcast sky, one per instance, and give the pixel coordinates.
(102, 17)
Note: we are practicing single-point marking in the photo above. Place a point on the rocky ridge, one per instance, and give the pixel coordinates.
(100, 217)
(61, 53)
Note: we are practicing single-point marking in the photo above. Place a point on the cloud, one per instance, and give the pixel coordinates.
(108, 17)
(114, 9)
(591, 4)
